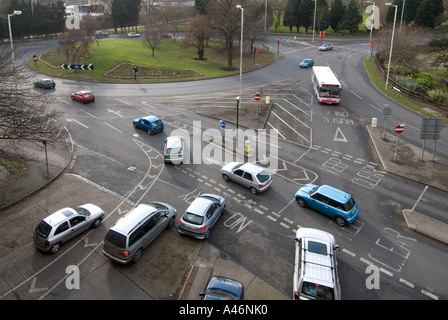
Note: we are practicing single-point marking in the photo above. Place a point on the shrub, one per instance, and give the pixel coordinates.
(439, 96)
(410, 84)
(425, 80)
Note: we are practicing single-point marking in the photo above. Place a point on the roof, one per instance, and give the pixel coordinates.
(198, 205)
(318, 267)
(59, 216)
(251, 168)
(130, 220)
(334, 193)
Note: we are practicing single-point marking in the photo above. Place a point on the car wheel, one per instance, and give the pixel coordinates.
(55, 248)
(207, 234)
(301, 202)
(96, 223)
(225, 177)
(340, 221)
(171, 223)
(137, 255)
(253, 190)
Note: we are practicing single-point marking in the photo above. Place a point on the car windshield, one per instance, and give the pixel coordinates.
(158, 206)
(116, 239)
(317, 291)
(82, 212)
(193, 218)
(43, 229)
(220, 294)
(263, 176)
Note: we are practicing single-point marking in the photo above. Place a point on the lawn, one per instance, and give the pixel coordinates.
(114, 59)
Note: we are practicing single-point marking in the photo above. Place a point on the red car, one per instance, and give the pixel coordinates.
(83, 96)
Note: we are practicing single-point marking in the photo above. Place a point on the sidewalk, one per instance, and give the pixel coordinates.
(408, 165)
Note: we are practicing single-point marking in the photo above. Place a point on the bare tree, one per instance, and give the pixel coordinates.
(24, 114)
(197, 33)
(152, 37)
(74, 43)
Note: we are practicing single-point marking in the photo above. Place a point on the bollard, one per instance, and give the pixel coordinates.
(374, 122)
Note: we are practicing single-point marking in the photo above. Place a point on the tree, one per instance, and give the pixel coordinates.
(75, 43)
(428, 13)
(197, 33)
(226, 19)
(322, 15)
(337, 11)
(352, 18)
(291, 14)
(306, 14)
(152, 37)
(24, 114)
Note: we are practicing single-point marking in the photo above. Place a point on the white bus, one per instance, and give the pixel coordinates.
(326, 86)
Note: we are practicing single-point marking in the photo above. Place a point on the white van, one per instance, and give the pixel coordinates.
(125, 241)
(315, 269)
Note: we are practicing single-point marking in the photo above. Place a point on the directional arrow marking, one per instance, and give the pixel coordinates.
(339, 136)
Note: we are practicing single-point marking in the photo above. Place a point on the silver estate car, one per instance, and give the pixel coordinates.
(173, 150)
(64, 225)
(249, 175)
(127, 238)
(201, 215)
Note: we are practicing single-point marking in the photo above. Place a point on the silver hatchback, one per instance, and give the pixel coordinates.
(202, 215)
(64, 225)
(249, 175)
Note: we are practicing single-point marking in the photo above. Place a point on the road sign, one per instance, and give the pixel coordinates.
(77, 66)
(257, 97)
(399, 128)
(222, 124)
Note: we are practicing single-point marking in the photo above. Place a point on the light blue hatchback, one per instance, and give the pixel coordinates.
(330, 201)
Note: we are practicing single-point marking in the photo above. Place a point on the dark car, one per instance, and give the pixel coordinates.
(221, 288)
(45, 84)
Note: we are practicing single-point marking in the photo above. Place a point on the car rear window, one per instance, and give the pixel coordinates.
(43, 229)
(263, 176)
(116, 239)
(318, 291)
(157, 123)
(193, 218)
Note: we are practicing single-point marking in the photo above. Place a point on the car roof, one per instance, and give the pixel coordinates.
(199, 206)
(252, 168)
(59, 216)
(174, 141)
(132, 219)
(334, 193)
(149, 118)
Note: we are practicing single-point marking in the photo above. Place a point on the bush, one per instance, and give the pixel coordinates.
(425, 80)
(410, 84)
(439, 97)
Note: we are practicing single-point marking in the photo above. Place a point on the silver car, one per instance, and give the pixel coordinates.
(127, 239)
(249, 175)
(173, 150)
(202, 215)
(64, 225)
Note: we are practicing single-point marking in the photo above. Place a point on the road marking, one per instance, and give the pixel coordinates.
(339, 136)
(71, 120)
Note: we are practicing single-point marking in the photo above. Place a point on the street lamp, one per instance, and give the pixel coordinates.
(16, 12)
(392, 41)
(241, 58)
(402, 11)
(314, 21)
(371, 28)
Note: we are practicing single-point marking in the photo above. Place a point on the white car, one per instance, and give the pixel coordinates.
(315, 267)
(133, 35)
(173, 150)
(249, 175)
(64, 225)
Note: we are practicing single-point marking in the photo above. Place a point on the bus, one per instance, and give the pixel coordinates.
(326, 86)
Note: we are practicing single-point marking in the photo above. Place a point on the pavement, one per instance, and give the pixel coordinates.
(210, 260)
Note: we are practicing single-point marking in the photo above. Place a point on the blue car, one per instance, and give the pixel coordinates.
(307, 63)
(150, 124)
(330, 201)
(221, 288)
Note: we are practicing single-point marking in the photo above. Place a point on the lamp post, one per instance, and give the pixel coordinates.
(392, 41)
(372, 23)
(314, 20)
(16, 12)
(241, 58)
(402, 11)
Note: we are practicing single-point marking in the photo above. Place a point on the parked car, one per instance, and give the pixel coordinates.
(222, 288)
(150, 124)
(64, 225)
(249, 175)
(202, 215)
(133, 35)
(173, 150)
(100, 34)
(83, 96)
(307, 63)
(45, 84)
(330, 201)
(315, 267)
(326, 47)
(126, 239)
